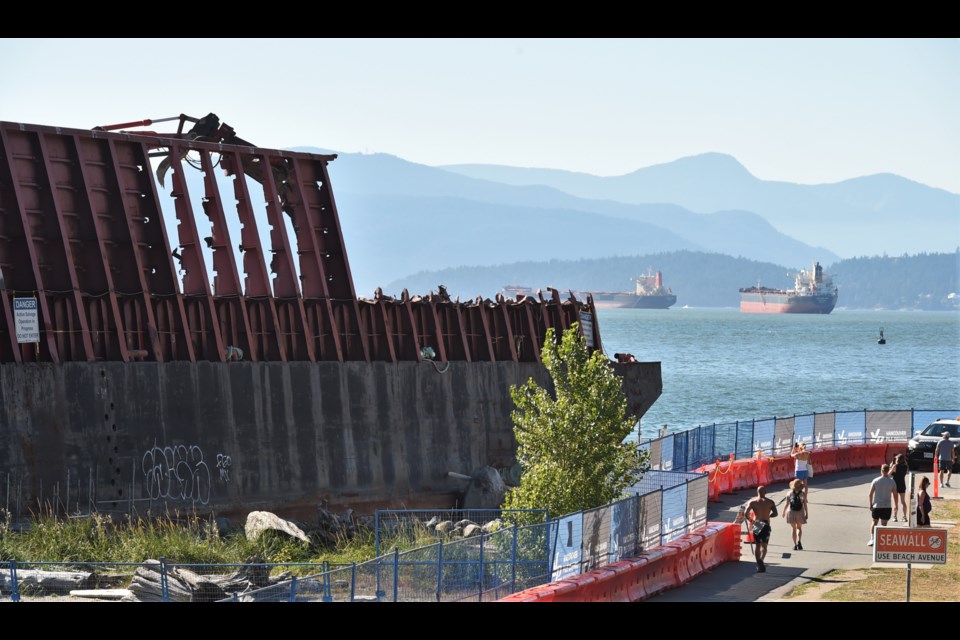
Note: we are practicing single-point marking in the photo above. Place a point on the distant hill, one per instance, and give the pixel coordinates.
(870, 215)
(396, 213)
(925, 281)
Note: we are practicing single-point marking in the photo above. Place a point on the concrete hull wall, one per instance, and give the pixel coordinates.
(228, 438)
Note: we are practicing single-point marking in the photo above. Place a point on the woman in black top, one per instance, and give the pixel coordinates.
(923, 503)
(898, 471)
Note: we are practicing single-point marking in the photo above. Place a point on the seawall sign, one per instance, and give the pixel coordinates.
(922, 546)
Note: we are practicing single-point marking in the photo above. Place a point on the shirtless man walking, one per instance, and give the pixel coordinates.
(762, 507)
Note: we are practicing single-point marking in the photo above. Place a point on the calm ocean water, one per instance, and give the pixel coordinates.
(719, 365)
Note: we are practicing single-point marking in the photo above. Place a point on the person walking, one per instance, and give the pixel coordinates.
(882, 492)
(796, 512)
(762, 507)
(898, 471)
(923, 504)
(945, 453)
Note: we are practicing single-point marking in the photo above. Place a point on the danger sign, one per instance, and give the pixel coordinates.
(926, 546)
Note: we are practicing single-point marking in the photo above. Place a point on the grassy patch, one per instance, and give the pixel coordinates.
(181, 540)
(937, 584)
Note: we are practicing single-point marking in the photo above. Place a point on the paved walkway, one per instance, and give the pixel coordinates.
(835, 537)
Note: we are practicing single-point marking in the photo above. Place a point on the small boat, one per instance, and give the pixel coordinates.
(881, 339)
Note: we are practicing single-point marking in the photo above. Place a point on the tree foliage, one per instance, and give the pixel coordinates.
(572, 446)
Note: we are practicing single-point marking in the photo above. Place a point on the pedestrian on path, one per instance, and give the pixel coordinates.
(882, 494)
(945, 454)
(898, 471)
(796, 512)
(924, 507)
(762, 507)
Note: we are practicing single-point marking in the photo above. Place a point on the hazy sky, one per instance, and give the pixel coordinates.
(807, 111)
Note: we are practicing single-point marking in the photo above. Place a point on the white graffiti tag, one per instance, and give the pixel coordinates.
(223, 463)
(177, 473)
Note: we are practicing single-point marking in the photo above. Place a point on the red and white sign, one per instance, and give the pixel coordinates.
(922, 546)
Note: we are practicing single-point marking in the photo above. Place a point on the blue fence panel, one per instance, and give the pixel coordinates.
(922, 418)
(703, 451)
(725, 440)
(418, 569)
(674, 513)
(803, 429)
(624, 526)
(745, 448)
(763, 431)
(850, 427)
(567, 546)
(462, 570)
(697, 496)
(531, 546)
(680, 448)
(666, 454)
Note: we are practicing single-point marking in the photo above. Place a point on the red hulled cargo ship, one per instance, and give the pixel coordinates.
(813, 292)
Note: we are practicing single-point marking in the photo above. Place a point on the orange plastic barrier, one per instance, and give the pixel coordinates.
(725, 477)
(744, 474)
(843, 457)
(893, 448)
(587, 587)
(721, 543)
(688, 559)
(858, 456)
(827, 461)
(659, 572)
(876, 454)
(764, 470)
(783, 466)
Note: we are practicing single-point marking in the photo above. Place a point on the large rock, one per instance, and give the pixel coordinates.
(486, 490)
(260, 521)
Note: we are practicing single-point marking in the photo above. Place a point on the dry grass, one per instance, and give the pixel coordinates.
(936, 584)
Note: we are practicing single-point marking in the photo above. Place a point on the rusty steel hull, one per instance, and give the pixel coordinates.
(200, 344)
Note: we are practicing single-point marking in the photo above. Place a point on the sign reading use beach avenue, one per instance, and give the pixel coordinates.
(922, 546)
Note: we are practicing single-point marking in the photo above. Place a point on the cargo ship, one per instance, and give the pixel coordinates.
(132, 384)
(650, 294)
(813, 292)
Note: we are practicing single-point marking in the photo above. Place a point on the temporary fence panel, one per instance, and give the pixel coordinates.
(666, 454)
(922, 418)
(803, 429)
(656, 453)
(596, 538)
(724, 439)
(824, 429)
(762, 436)
(888, 426)
(681, 447)
(674, 516)
(408, 524)
(783, 435)
(624, 527)
(850, 427)
(697, 496)
(651, 519)
(567, 543)
(745, 448)
(531, 546)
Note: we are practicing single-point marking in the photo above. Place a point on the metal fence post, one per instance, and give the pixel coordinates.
(376, 533)
(164, 587)
(396, 573)
(513, 562)
(14, 584)
(480, 595)
(293, 589)
(439, 570)
(353, 581)
(327, 593)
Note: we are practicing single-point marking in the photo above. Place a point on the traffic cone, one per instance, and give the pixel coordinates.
(936, 478)
(749, 539)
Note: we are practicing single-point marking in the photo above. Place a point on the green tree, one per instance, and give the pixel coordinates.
(572, 446)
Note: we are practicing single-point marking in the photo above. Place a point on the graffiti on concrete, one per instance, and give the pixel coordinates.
(177, 473)
(223, 464)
